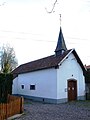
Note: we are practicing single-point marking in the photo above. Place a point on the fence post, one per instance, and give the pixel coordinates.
(21, 105)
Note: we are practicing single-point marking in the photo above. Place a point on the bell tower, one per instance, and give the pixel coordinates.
(61, 46)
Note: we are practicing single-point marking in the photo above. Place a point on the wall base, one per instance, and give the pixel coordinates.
(44, 100)
(81, 98)
(49, 100)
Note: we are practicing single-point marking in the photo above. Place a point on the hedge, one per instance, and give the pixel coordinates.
(5, 86)
(87, 77)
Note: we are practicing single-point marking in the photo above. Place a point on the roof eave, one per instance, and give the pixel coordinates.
(36, 70)
(77, 57)
(65, 57)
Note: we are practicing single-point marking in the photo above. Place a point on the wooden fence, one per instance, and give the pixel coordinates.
(13, 106)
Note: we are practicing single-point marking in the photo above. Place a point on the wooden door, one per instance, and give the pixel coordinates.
(72, 90)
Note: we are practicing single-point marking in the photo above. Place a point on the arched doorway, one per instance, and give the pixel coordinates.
(72, 89)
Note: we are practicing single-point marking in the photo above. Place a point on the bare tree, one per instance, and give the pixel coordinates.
(8, 59)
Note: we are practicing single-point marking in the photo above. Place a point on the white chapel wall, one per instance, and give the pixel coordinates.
(69, 69)
(15, 86)
(44, 81)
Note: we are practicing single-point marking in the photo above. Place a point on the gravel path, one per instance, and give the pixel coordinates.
(67, 111)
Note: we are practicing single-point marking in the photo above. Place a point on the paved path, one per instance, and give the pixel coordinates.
(68, 111)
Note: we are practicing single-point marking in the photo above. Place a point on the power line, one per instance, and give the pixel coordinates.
(76, 38)
(84, 39)
(42, 40)
(31, 39)
(37, 40)
(19, 32)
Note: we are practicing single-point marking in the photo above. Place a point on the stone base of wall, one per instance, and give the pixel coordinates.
(44, 100)
(49, 100)
(81, 98)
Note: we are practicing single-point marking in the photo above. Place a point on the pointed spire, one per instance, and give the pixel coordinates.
(61, 46)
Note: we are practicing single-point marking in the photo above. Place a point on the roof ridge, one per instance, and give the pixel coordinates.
(37, 60)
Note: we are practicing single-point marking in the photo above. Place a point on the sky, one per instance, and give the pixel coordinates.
(33, 32)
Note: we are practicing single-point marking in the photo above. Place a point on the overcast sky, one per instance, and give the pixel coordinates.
(26, 26)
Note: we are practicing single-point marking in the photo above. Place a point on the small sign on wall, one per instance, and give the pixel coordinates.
(65, 89)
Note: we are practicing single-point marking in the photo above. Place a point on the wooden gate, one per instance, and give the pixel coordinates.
(72, 90)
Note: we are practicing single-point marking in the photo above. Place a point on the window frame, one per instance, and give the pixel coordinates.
(32, 86)
(22, 86)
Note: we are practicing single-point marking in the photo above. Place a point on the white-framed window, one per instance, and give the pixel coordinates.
(22, 86)
(32, 87)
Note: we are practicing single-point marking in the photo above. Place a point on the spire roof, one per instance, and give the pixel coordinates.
(61, 46)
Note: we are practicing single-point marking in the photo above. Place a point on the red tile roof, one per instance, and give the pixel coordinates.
(45, 63)
(88, 67)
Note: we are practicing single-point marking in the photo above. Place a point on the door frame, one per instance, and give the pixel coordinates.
(71, 91)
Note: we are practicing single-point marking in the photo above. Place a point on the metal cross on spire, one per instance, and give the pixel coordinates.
(60, 20)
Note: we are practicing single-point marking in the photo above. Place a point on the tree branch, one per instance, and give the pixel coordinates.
(52, 7)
